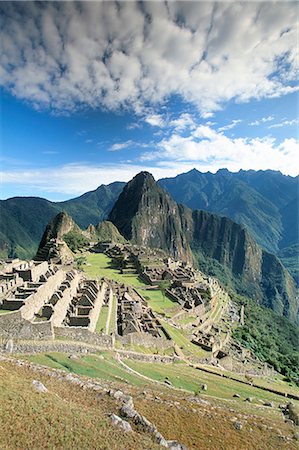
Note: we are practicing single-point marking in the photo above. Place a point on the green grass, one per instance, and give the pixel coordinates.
(160, 303)
(188, 378)
(180, 337)
(100, 265)
(90, 366)
(187, 320)
(66, 417)
(102, 320)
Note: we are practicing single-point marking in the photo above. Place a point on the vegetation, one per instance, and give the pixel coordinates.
(66, 417)
(271, 338)
(75, 240)
(24, 219)
(261, 201)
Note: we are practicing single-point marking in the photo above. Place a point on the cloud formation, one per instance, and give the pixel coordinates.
(65, 55)
(211, 150)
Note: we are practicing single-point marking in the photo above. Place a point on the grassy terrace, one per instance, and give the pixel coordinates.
(99, 265)
(182, 340)
(182, 376)
(101, 323)
(102, 366)
(66, 417)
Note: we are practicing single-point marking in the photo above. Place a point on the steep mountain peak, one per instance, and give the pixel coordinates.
(142, 179)
(145, 214)
(60, 225)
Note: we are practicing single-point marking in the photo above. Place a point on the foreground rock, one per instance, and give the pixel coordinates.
(38, 386)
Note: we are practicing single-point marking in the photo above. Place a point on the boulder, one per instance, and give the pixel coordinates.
(9, 346)
(174, 445)
(128, 411)
(238, 426)
(269, 404)
(117, 421)
(38, 386)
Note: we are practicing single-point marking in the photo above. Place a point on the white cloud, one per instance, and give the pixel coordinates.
(285, 123)
(262, 120)
(156, 120)
(185, 121)
(121, 145)
(65, 55)
(230, 125)
(75, 179)
(211, 149)
(89, 141)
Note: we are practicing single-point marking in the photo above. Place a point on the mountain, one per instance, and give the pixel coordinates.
(59, 232)
(265, 202)
(23, 219)
(145, 214)
(104, 232)
(94, 206)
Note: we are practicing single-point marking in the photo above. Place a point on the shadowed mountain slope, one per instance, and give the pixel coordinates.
(264, 202)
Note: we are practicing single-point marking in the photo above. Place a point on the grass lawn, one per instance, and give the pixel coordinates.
(160, 303)
(181, 339)
(90, 366)
(99, 265)
(102, 320)
(191, 379)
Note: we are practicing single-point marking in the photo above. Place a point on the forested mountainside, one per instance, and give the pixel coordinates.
(265, 202)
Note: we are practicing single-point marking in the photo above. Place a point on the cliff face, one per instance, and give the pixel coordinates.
(251, 270)
(147, 216)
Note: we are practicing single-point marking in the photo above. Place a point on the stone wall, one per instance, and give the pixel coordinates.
(14, 326)
(148, 358)
(34, 271)
(61, 306)
(42, 295)
(84, 335)
(144, 339)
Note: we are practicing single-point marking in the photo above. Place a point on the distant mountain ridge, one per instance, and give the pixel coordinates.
(265, 202)
(23, 219)
(257, 200)
(147, 215)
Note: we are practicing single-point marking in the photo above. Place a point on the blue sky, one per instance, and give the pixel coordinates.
(96, 93)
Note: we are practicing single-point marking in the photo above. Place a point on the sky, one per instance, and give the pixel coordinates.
(95, 92)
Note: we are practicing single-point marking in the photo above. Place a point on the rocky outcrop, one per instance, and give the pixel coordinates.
(52, 245)
(146, 215)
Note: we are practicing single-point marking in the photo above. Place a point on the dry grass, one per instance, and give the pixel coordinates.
(66, 417)
(211, 427)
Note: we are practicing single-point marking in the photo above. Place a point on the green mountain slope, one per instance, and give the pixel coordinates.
(261, 201)
(23, 219)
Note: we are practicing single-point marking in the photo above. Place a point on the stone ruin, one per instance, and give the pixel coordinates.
(133, 314)
(42, 300)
